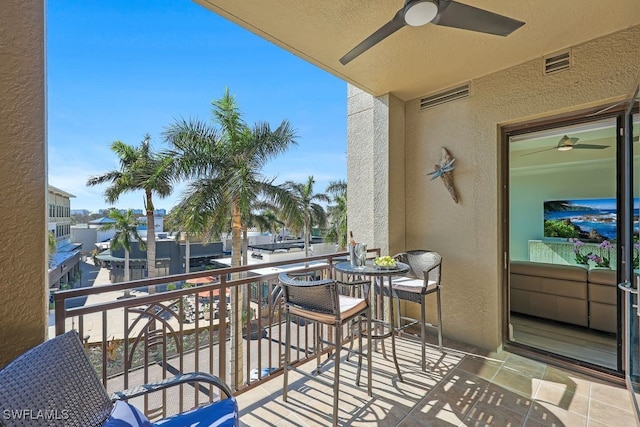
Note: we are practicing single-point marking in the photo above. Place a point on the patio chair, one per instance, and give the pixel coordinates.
(422, 279)
(320, 302)
(54, 384)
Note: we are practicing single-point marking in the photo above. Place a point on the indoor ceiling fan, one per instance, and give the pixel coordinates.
(447, 13)
(566, 144)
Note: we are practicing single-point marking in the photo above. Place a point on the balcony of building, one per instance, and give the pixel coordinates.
(149, 337)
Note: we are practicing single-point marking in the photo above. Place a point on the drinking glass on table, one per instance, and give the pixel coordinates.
(361, 255)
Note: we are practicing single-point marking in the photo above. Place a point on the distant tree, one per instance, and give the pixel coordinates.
(267, 220)
(337, 214)
(190, 220)
(302, 209)
(140, 169)
(126, 227)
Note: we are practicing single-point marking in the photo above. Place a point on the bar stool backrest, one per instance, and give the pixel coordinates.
(422, 262)
(319, 296)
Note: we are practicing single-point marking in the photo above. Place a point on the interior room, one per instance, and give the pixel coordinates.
(565, 304)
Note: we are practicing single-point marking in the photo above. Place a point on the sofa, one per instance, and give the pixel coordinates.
(603, 299)
(566, 293)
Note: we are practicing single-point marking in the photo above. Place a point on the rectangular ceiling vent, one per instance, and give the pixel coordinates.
(445, 96)
(557, 62)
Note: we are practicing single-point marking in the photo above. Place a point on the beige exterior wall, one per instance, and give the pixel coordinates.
(375, 155)
(23, 176)
(469, 235)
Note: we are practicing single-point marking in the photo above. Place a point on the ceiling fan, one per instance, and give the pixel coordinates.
(567, 144)
(447, 13)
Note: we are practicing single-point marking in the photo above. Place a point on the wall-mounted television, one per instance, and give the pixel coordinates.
(590, 220)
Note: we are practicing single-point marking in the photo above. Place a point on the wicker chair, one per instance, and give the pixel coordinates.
(422, 279)
(320, 302)
(55, 384)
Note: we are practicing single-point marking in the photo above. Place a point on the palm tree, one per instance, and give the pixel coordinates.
(303, 210)
(191, 221)
(126, 226)
(140, 169)
(225, 163)
(262, 216)
(267, 220)
(337, 212)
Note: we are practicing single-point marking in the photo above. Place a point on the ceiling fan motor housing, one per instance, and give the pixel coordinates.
(420, 12)
(566, 143)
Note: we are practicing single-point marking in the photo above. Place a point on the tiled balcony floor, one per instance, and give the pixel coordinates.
(460, 388)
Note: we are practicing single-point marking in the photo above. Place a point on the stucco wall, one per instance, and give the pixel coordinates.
(468, 234)
(23, 177)
(375, 160)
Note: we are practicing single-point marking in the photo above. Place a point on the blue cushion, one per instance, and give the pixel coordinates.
(126, 415)
(218, 414)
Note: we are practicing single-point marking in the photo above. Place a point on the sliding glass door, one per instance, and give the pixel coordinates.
(572, 239)
(630, 253)
(563, 201)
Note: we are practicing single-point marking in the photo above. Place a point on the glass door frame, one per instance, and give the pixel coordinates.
(614, 110)
(627, 279)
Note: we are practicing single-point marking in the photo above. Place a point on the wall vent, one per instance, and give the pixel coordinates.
(445, 96)
(557, 62)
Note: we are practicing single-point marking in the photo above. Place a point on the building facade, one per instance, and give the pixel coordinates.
(64, 263)
(170, 259)
(59, 209)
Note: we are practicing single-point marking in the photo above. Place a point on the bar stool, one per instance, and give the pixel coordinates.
(422, 279)
(320, 302)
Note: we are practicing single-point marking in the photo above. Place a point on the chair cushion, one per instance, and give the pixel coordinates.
(409, 284)
(218, 414)
(349, 307)
(126, 415)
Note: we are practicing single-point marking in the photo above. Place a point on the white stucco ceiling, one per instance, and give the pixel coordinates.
(416, 61)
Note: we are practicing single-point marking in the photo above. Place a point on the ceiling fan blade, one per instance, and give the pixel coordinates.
(458, 15)
(539, 151)
(380, 34)
(590, 146)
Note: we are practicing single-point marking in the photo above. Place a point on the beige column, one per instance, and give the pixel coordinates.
(23, 178)
(376, 170)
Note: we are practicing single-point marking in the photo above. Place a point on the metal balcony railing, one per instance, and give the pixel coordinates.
(232, 327)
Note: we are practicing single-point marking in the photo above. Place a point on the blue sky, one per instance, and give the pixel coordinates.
(117, 70)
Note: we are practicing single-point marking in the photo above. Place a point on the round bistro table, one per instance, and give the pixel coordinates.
(370, 270)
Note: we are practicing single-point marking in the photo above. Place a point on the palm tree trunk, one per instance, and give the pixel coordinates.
(127, 272)
(307, 237)
(187, 255)
(237, 298)
(151, 240)
(236, 236)
(245, 245)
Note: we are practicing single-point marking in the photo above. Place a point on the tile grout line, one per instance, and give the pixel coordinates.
(589, 402)
(529, 415)
(489, 382)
